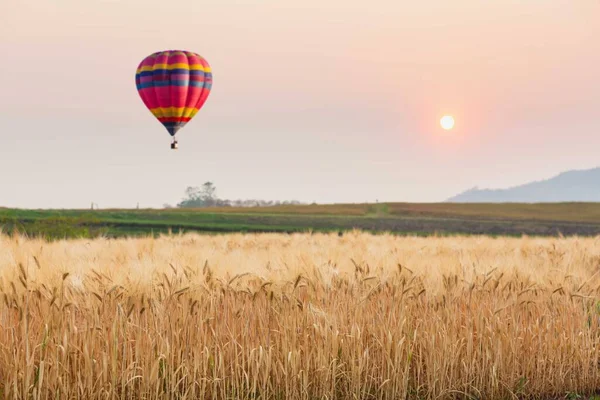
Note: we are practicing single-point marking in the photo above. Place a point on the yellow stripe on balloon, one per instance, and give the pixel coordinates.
(190, 112)
(174, 112)
(194, 112)
(168, 67)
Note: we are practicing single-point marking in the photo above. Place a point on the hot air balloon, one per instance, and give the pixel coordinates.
(174, 85)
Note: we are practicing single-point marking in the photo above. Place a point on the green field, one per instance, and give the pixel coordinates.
(399, 218)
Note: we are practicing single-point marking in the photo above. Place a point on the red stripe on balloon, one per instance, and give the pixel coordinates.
(174, 119)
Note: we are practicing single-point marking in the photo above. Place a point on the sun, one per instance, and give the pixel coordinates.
(447, 122)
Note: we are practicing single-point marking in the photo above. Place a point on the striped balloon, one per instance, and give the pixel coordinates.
(174, 85)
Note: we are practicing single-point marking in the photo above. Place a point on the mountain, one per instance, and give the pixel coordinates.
(576, 185)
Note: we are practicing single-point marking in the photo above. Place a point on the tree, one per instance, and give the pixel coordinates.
(192, 192)
(206, 196)
(208, 191)
(200, 197)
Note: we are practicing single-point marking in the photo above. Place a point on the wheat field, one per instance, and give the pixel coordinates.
(303, 316)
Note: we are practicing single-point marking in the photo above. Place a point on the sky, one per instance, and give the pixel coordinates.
(312, 100)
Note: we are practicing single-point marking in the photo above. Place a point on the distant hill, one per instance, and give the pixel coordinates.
(577, 185)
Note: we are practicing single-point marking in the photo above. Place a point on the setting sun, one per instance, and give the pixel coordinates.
(447, 122)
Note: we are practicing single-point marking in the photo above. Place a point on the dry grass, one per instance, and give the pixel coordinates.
(299, 317)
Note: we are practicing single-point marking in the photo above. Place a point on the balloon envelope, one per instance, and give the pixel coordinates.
(174, 85)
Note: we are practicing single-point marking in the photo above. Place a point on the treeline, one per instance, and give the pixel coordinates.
(206, 196)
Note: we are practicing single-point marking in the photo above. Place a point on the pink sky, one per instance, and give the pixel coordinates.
(314, 100)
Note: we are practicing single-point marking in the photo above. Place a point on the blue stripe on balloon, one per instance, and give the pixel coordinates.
(173, 127)
(171, 124)
(173, 83)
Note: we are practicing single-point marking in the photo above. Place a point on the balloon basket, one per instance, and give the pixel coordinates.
(174, 145)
